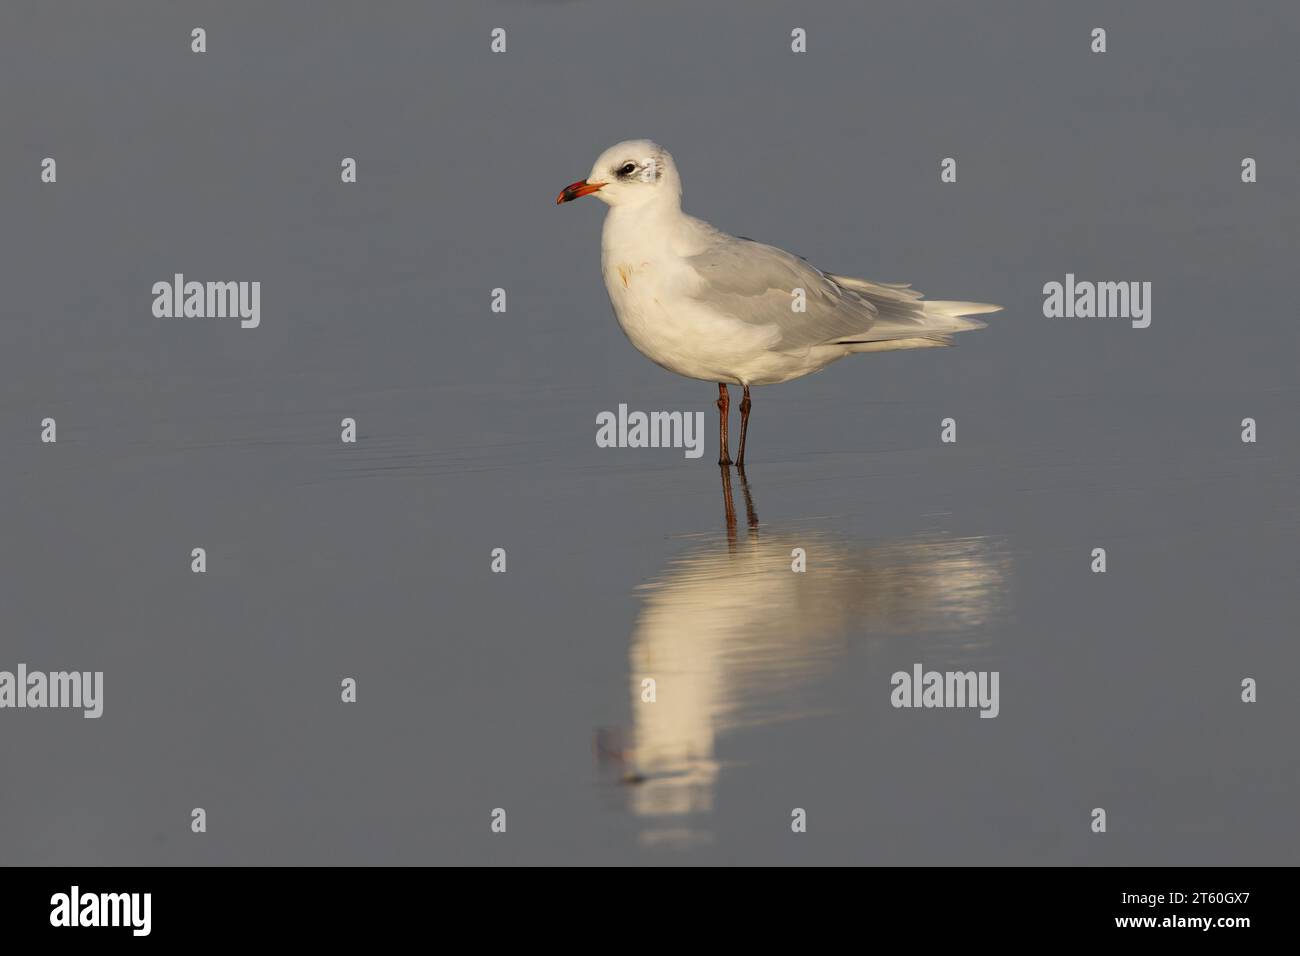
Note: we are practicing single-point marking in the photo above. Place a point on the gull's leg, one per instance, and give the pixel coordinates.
(744, 427)
(724, 406)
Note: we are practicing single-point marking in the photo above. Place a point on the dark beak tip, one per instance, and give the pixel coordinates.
(576, 190)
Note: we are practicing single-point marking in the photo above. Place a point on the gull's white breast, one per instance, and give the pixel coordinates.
(650, 286)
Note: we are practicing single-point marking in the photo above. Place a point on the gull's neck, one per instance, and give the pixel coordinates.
(666, 207)
(652, 227)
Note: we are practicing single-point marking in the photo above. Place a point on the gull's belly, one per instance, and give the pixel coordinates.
(678, 333)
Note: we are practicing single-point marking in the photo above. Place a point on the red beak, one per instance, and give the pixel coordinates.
(576, 191)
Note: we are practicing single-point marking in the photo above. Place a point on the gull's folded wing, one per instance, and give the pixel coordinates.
(757, 283)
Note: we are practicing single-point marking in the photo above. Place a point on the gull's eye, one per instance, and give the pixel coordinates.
(627, 169)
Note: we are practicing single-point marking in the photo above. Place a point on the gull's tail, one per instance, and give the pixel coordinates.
(906, 321)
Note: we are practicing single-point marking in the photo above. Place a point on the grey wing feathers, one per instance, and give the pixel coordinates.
(756, 283)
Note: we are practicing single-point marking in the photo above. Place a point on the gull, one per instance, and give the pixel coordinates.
(730, 310)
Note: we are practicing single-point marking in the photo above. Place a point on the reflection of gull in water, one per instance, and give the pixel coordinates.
(729, 634)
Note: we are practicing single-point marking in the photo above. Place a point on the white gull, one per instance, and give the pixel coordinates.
(723, 309)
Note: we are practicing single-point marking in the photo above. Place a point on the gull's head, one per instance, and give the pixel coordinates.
(633, 173)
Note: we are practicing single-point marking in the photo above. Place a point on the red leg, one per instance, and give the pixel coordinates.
(744, 427)
(724, 407)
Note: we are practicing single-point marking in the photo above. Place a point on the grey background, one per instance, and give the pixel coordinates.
(477, 431)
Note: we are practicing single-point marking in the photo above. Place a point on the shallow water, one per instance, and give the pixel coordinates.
(476, 431)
